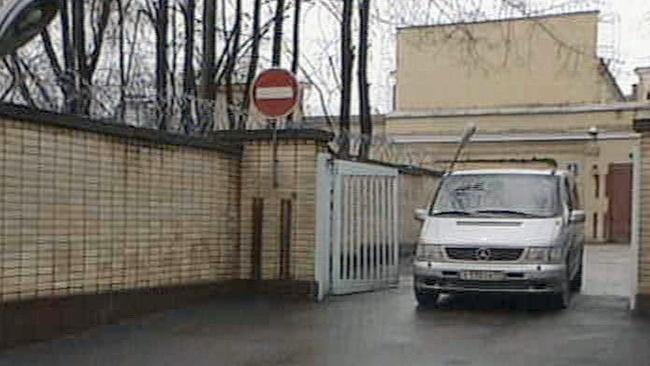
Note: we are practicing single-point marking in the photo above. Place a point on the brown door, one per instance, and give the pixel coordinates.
(619, 193)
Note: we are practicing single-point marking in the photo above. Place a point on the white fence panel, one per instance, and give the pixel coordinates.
(365, 232)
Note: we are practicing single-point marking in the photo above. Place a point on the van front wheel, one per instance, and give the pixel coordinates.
(562, 299)
(576, 282)
(426, 299)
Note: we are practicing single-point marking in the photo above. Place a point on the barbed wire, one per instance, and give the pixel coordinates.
(384, 148)
(141, 107)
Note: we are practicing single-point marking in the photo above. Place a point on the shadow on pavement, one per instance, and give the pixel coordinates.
(489, 302)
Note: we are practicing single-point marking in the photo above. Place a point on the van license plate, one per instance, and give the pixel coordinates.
(482, 276)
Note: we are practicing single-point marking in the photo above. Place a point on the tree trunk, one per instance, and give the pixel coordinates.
(278, 33)
(79, 46)
(295, 65)
(230, 67)
(365, 119)
(98, 38)
(347, 57)
(162, 66)
(69, 77)
(122, 50)
(51, 55)
(189, 84)
(252, 66)
(295, 62)
(209, 45)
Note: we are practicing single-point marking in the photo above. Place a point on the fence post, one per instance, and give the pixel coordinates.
(323, 225)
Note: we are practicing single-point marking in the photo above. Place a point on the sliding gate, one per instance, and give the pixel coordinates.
(364, 235)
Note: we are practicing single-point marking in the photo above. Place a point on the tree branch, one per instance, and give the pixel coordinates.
(99, 36)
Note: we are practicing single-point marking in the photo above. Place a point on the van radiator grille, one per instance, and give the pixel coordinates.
(485, 254)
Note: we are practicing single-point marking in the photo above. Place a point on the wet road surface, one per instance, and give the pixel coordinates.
(384, 328)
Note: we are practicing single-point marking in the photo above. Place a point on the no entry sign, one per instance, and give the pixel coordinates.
(276, 93)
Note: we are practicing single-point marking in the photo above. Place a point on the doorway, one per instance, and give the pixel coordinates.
(619, 194)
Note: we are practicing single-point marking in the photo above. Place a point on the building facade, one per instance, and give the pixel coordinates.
(536, 89)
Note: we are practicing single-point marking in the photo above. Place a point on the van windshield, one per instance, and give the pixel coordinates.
(498, 195)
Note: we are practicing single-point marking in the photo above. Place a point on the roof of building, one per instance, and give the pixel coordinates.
(611, 80)
(516, 137)
(511, 19)
(521, 110)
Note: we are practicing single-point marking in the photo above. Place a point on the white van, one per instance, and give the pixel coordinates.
(501, 231)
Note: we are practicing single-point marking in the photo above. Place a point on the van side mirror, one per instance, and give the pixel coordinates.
(421, 214)
(578, 216)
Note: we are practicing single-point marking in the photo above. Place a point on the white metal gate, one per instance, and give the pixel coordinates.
(364, 236)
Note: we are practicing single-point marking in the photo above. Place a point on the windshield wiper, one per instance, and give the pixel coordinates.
(509, 212)
(454, 212)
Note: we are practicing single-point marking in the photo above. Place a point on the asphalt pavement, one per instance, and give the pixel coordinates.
(382, 328)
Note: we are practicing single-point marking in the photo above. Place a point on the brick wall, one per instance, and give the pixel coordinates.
(87, 213)
(297, 173)
(100, 221)
(643, 295)
(416, 192)
(644, 252)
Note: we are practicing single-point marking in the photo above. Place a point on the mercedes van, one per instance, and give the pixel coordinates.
(501, 231)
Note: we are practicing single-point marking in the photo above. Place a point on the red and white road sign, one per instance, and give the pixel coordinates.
(276, 93)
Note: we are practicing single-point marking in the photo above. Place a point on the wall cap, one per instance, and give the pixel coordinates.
(404, 168)
(517, 111)
(87, 124)
(243, 136)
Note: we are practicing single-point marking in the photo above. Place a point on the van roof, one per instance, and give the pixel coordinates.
(510, 171)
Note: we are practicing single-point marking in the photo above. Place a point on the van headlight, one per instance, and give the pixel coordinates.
(429, 252)
(545, 255)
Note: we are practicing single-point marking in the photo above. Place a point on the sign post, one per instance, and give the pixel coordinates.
(276, 93)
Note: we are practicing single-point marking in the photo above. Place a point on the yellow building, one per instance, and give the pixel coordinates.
(536, 89)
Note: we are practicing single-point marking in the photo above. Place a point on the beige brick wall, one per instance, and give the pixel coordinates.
(416, 192)
(514, 123)
(86, 213)
(297, 173)
(543, 60)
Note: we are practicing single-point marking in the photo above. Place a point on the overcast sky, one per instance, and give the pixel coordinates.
(633, 39)
(624, 38)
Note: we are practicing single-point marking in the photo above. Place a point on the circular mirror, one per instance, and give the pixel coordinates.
(22, 20)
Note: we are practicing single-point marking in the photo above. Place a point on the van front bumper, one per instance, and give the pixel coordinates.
(516, 278)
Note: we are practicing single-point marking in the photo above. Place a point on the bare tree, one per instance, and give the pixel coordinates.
(297, 17)
(233, 52)
(189, 78)
(252, 65)
(347, 60)
(365, 118)
(278, 33)
(122, 51)
(162, 91)
(209, 48)
(79, 43)
(76, 77)
(295, 62)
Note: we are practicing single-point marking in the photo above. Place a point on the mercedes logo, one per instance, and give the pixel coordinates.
(483, 254)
